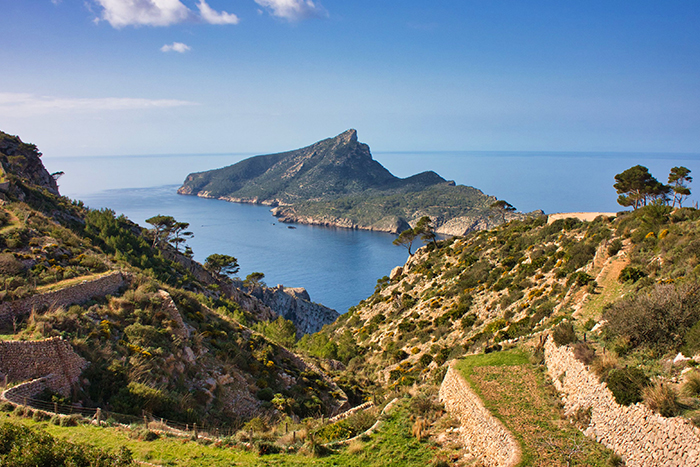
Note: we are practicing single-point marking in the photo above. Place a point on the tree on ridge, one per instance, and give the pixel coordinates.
(501, 208)
(678, 180)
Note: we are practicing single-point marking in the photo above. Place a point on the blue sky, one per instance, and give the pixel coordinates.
(112, 77)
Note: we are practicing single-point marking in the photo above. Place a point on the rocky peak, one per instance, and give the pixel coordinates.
(24, 161)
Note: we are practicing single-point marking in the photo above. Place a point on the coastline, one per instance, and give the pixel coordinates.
(285, 213)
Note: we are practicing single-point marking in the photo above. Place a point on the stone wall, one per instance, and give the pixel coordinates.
(28, 360)
(22, 392)
(78, 293)
(640, 436)
(481, 433)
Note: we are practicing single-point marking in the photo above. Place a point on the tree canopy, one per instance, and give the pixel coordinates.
(166, 230)
(678, 180)
(425, 229)
(637, 187)
(221, 264)
(406, 239)
(501, 208)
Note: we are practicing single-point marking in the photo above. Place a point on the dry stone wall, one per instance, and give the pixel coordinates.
(482, 434)
(78, 293)
(25, 361)
(642, 437)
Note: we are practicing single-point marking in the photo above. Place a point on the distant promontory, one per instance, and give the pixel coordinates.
(335, 182)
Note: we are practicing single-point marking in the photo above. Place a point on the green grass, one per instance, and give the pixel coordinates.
(517, 393)
(392, 445)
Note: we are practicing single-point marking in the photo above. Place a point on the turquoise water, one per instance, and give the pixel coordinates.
(340, 267)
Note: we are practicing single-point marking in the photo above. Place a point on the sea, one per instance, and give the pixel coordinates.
(340, 267)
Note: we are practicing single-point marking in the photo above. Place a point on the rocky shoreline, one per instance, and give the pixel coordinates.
(287, 214)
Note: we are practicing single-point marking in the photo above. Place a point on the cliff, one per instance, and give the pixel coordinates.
(23, 160)
(335, 182)
(294, 304)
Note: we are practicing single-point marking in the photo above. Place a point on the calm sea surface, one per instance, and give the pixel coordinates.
(340, 267)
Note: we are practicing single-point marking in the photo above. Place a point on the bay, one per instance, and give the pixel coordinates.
(340, 267)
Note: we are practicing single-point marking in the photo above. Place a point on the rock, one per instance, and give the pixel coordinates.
(294, 304)
(680, 359)
(396, 272)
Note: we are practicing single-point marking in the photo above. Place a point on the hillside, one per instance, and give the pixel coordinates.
(538, 342)
(158, 332)
(335, 182)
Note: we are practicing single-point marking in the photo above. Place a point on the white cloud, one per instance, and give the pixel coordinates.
(293, 10)
(176, 47)
(121, 13)
(19, 104)
(214, 17)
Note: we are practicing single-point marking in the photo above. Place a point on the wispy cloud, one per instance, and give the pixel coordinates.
(214, 17)
(176, 47)
(122, 13)
(20, 104)
(293, 10)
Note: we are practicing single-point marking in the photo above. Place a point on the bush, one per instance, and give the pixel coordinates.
(659, 319)
(631, 274)
(661, 398)
(40, 416)
(691, 386)
(564, 334)
(614, 247)
(627, 384)
(39, 448)
(584, 353)
(6, 406)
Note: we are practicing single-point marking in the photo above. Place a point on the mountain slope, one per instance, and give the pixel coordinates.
(169, 342)
(336, 182)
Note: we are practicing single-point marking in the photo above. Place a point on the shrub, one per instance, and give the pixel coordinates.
(631, 274)
(40, 416)
(265, 394)
(40, 448)
(564, 334)
(691, 340)
(584, 353)
(6, 406)
(581, 278)
(691, 386)
(614, 247)
(659, 319)
(627, 384)
(661, 398)
(71, 420)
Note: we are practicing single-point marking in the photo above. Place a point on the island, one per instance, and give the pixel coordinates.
(336, 182)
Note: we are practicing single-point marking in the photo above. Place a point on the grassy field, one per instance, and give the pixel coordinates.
(518, 394)
(392, 445)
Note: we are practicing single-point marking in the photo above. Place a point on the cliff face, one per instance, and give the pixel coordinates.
(24, 161)
(295, 305)
(335, 182)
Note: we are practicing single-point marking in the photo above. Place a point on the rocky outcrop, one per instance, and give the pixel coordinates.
(265, 303)
(24, 161)
(482, 434)
(643, 438)
(294, 304)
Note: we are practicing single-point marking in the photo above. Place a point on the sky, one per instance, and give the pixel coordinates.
(129, 77)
